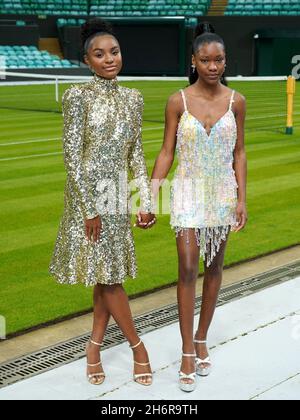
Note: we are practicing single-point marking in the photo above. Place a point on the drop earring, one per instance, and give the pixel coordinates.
(194, 68)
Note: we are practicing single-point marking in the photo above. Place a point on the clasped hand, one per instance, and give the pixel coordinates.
(93, 226)
(145, 220)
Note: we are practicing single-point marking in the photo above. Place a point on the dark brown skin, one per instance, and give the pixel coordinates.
(208, 101)
(104, 57)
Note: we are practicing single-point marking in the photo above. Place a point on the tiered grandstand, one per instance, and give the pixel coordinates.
(117, 8)
(263, 7)
(144, 8)
(23, 56)
(44, 34)
(45, 7)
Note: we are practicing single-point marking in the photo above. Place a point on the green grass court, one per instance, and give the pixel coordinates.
(32, 179)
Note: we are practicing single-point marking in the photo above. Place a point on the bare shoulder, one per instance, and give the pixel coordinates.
(239, 99)
(174, 102)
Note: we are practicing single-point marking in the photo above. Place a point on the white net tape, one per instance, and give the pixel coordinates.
(66, 78)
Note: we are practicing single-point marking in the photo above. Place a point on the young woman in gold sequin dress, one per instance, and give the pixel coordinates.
(205, 123)
(102, 142)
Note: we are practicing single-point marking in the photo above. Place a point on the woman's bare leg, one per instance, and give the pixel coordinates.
(211, 287)
(188, 266)
(100, 322)
(116, 302)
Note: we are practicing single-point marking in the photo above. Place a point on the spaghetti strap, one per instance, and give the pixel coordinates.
(231, 100)
(184, 100)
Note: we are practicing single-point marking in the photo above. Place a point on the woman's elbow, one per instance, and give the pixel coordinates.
(239, 153)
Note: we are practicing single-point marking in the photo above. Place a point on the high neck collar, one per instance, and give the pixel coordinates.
(107, 85)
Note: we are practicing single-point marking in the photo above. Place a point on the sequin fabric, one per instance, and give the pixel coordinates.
(204, 188)
(101, 144)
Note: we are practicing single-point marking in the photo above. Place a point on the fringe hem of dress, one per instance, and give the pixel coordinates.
(209, 239)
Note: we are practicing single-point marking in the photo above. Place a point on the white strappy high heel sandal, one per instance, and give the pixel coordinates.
(184, 386)
(137, 376)
(92, 377)
(202, 370)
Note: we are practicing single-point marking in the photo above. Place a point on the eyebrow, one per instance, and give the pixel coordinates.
(100, 49)
(207, 56)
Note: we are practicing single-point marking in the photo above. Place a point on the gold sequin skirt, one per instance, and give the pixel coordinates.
(109, 261)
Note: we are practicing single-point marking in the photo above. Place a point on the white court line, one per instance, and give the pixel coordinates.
(156, 128)
(159, 127)
(30, 156)
(30, 141)
(58, 153)
(58, 138)
(41, 114)
(269, 116)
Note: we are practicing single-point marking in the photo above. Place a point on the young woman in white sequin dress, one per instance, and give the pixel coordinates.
(205, 124)
(102, 142)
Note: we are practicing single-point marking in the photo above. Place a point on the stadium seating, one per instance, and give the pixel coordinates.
(263, 7)
(119, 8)
(69, 22)
(148, 8)
(45, 7)
(23, 56)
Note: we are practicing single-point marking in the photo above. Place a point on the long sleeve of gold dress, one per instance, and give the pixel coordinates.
(102, 145)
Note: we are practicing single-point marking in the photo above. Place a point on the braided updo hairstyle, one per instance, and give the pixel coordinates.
(204, 34)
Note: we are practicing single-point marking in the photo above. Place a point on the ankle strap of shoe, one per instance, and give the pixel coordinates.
(200, 341)
(189, 354)
(96, 344)
(136, 345)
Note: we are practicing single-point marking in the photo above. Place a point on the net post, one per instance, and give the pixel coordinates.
(290, 90)
(56, 90)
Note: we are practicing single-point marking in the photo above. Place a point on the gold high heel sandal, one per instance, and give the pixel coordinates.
(92, 377)
(136, 377)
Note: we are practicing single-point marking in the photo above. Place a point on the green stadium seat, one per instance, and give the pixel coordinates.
(138, 8)
(263, 7)
(24, 56)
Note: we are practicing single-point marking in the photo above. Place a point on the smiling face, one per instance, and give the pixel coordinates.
(210, 60)
(104, 56)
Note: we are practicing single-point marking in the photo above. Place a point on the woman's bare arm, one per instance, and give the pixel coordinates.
(166, 155)
(240, 161)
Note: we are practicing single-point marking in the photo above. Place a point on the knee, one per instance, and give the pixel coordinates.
(215, 270)
(188, 274)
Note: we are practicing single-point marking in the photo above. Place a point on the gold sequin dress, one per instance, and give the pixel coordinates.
(102, 145)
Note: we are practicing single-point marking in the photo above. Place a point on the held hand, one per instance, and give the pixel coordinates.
(241, 216)
(145, 220)
(93, 228)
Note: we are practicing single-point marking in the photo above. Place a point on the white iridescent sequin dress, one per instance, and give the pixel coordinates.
(204, 189)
